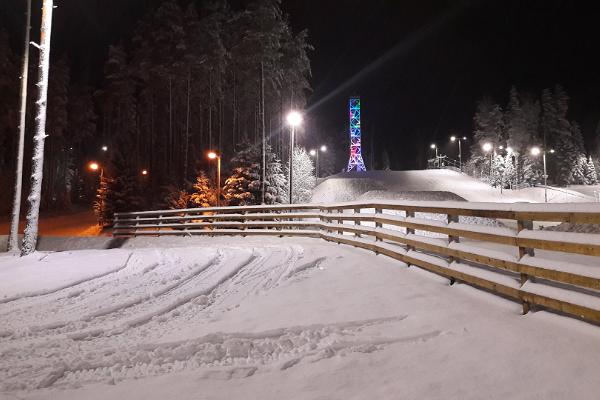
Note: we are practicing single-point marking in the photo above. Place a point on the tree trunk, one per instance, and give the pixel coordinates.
(187, 130)
(13, 238)
(264, 139)
(37, 172)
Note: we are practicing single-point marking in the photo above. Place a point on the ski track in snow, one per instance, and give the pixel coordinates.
(109, 328)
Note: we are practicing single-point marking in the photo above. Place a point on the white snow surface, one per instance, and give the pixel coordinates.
(272, 318)
(436, 184)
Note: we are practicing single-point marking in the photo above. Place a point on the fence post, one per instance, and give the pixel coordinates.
(340, 221)
(523, 251)
(452, 218)
(159, 223)
(356, 222)
(377, 224)
(409, 231)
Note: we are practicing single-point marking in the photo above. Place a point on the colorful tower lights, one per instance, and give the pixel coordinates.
(356, 162)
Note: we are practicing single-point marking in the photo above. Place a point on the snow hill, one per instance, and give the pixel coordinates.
(439, 184)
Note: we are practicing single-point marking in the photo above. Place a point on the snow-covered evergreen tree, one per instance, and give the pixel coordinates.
(204, 193)
(304, 179)
(243, 186)
(103, 208)
(277, 186)
(590, 174)
(489, 128)
(173, 198)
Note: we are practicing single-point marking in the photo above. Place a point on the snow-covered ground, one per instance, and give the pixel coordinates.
(272, 318)
(437, 184)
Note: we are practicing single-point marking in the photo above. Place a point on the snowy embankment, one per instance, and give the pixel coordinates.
(436, 184)
(271, 319)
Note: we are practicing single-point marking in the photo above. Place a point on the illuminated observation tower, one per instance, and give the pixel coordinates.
(356, 162)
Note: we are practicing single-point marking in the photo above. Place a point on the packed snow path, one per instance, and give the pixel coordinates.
(272, 318)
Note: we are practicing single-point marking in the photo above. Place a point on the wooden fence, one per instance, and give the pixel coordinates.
(496, 247)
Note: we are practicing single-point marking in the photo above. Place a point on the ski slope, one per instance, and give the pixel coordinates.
(271, 318)
(436, 184)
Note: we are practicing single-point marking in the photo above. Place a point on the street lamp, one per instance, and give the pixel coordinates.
(94, 166)
(212, 155)
(315, 153)
(535, 151)
(433, 146)
(294, 119)
(487, 147)
(144, 172)
(104, 148)
(459, 140)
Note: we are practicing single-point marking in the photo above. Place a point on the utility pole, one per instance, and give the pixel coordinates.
(37, 170)
(13, 238)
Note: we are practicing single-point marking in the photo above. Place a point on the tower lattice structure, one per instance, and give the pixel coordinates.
(356, 162)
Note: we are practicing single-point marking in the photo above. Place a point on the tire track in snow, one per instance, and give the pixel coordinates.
(85, 318)
(45, 292)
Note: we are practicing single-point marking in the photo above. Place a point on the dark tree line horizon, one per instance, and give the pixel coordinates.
(187, 81)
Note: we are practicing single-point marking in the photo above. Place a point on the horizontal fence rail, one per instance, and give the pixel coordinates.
(497, 247)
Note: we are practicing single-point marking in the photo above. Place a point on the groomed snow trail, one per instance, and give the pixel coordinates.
(273, 318)
(68, 334)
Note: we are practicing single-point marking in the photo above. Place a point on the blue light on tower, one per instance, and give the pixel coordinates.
(356, 162)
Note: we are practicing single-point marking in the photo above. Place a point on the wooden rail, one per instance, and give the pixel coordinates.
(490, 246)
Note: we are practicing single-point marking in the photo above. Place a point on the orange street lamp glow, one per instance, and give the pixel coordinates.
(144, 172)
(93, 166)
(212, 155)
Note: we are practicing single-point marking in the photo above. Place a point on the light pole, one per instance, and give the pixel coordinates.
(212, 155)
(294, 118)
(487, 147)
(535, 151)
(433, 146)
(315, 153)
(459, 140)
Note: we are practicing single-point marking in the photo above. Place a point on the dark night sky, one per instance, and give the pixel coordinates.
(419, 66)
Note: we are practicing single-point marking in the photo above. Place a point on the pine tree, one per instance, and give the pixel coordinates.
(204, 194)
(277, 184)
(103, 208)
(304, 179)
(590, 174)
(173, 198)
(243, 186)
(489, 128)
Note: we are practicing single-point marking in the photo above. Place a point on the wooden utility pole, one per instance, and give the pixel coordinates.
(37, 170)
(13, 238)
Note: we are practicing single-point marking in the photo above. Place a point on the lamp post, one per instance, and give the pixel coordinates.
(294, 118)
(487, 147)
(212, 155)
(315, 153)
(535, 151)
(436, 164)
(459, 140)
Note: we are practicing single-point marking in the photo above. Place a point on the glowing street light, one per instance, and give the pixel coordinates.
(434, 147)
(93, 166)
(212, 155)
(144, 172)
(459, 140)
(315, 153)
(104, 148)
(294, 119)
(535, 151)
